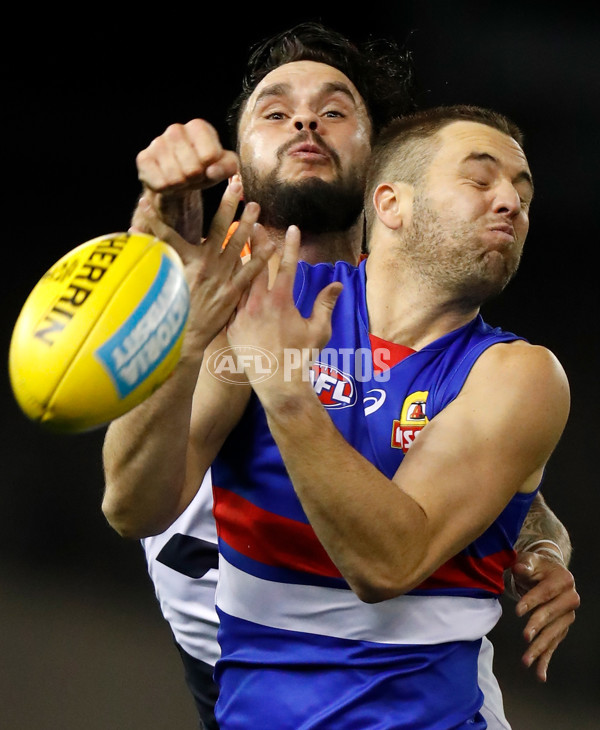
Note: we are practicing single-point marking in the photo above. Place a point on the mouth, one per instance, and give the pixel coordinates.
(503, 233)
(308, 151)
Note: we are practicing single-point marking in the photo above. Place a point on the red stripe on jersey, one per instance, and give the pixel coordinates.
(269, 538)
(465, 571)
(279, 541)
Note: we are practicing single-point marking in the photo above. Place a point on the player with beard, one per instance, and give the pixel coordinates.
(317, 206)
(321, 160)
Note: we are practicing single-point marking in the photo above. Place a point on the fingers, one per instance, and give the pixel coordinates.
(549, 593)
(139, 223)
(542, 665)
(562, 608)
(226, 166)
(550, 615)
(291, 251)
(226, 211)
(543, 647)
(255, 271)
(323, 307)
(218, 164)
(547, 581)
(146, 202)
(156, 226)
(184, 156)
(550, 621)
(242, 233)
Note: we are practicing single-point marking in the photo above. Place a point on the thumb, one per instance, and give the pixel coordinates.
(524, 565)
(326, 300)
(139, 219)
(323, 308)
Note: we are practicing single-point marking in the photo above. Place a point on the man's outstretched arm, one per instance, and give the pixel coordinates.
(156, 455)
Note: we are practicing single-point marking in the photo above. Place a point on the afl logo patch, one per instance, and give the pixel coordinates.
(335, 388)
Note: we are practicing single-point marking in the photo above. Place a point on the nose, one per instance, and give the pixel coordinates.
(306, 120)
(507, 199)
(300, 125)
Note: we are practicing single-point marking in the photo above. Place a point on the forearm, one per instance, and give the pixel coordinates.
(145, 458)
(156, 456)
(182, 211)
(542, 528)
(372, 530)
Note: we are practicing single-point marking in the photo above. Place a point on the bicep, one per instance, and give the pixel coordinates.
(492, 441)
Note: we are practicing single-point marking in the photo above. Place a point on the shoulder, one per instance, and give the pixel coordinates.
(514, 406)
(528, 379)
(520, 360)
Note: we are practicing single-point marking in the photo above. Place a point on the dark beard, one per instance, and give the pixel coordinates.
(315, 206)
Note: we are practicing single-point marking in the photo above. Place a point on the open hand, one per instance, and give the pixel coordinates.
(548, 594)
(215, 274)
(267, 318)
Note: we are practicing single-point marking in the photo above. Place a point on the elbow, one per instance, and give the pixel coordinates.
(371, 594)
(393, 575)
(375, 587)
(127, 519)
(121, 520)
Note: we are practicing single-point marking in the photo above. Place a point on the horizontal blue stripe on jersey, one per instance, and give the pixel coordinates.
(301, 681)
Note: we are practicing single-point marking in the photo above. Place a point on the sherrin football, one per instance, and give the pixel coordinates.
(100, 332)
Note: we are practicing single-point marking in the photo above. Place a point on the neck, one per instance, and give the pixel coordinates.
(318, 248)
(408, 309)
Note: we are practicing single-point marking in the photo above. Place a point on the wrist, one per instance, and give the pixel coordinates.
(546, 547)
(286, 400)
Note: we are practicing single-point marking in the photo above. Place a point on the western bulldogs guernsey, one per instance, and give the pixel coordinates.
(299, 650)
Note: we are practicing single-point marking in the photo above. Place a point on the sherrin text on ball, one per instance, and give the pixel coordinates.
(99, 332)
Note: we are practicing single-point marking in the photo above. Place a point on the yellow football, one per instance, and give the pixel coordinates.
(100, 332)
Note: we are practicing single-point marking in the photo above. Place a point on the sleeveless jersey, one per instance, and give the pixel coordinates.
(299, 650)
(183, 566)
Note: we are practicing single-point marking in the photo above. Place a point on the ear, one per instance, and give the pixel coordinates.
(393, 204)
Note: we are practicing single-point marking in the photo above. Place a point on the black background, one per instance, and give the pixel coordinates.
(82, 642)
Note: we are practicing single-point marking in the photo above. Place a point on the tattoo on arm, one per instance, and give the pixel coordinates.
(541, 523)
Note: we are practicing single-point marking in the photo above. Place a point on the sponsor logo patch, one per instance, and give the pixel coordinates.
(413, 418)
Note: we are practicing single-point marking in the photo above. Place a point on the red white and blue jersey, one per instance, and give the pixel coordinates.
(299, 650)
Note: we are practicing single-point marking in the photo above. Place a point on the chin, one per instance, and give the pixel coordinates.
(322, 175)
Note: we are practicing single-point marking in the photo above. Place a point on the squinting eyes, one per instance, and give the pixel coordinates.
(525, 201)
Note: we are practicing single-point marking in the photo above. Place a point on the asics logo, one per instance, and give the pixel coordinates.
(373, 403)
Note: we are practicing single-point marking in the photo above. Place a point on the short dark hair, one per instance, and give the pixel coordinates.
(382, 73)
(402, 150)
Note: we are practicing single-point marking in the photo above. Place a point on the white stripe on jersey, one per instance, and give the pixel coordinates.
(340, 613)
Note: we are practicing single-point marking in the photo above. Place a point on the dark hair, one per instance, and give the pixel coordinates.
(403, 149)
(382, 72)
